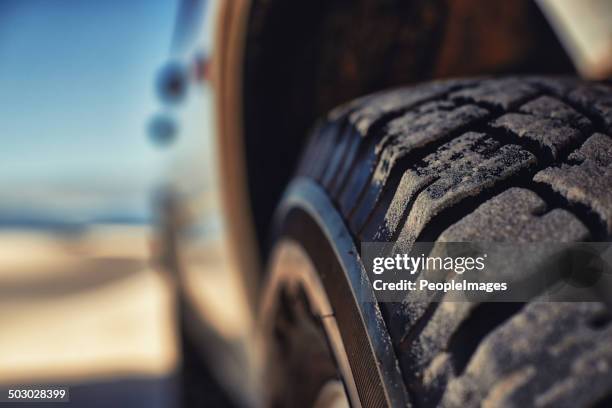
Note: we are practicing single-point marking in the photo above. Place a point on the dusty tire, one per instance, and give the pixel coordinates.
(515, 159)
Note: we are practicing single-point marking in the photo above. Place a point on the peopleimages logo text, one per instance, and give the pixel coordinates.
(412, 264)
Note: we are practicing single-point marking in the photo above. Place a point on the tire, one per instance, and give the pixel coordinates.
(511, 159)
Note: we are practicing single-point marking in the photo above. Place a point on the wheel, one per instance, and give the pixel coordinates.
(511, 159)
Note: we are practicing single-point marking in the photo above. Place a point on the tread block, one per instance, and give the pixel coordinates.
(460, 184)
(464, 151)
(414, 130)
(498, 93)
(365, 112)
(506, 369)
(516, 215)
(550, 134)
(589, 180)
(552, 108)
(595, 99)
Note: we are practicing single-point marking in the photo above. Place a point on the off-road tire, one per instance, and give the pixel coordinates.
(511, 159)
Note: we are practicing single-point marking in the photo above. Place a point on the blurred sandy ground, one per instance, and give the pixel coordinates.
(88, 310)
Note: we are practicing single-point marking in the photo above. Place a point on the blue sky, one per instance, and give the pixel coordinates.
(76, 91)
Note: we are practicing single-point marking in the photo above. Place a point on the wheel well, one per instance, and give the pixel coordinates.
(304, 57)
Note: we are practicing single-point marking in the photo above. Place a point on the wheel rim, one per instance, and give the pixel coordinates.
(292, 273)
